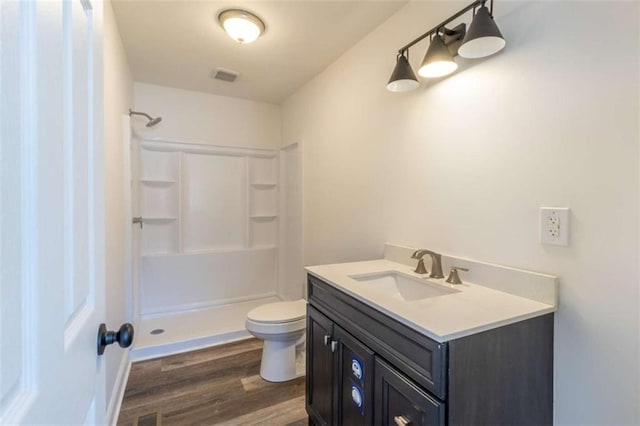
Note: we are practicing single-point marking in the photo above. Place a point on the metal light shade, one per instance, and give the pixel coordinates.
(403, 79)
(437, 61)
(483, 38)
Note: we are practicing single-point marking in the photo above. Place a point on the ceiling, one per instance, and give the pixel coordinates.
(178, 43)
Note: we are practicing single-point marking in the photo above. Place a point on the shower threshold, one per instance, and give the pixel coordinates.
(166, 334)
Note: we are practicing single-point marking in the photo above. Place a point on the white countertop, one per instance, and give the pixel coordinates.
(473, 308)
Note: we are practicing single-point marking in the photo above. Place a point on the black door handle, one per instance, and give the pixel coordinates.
(124, 336)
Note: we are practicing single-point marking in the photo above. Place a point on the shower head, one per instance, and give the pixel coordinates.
(152, 121)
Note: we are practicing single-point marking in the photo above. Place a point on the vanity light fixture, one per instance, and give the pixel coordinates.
(483, 39)
(438, 61)
(403, 79)
(242, 26)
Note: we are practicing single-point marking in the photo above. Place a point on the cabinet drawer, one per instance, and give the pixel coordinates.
(398, 402)
(417, 356)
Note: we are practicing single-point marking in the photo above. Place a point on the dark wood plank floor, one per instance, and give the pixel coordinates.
(219, 385)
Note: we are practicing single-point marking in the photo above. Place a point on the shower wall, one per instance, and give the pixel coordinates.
(206, 186)
(210, 225)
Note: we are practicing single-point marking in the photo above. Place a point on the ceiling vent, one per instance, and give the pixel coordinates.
(224, 75)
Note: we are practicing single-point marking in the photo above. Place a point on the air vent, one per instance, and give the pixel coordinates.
(224, 75)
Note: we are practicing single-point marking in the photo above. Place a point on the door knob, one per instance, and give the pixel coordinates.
(124, 336)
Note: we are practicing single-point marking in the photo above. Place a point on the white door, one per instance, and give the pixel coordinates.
(51, 207)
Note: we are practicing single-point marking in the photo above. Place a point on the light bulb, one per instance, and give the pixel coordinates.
(241, 25)
(437, 69)
(437, 61)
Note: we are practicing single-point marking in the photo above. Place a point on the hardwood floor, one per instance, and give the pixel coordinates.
(219, 385)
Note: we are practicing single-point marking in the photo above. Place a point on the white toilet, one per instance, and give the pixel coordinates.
(282, 327)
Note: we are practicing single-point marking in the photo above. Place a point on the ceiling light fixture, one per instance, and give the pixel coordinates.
(482, 40)
(242, 26)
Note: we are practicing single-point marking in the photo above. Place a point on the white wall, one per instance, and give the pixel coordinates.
(118, 88)
(203, 117)
(462, 166)
(291, 274)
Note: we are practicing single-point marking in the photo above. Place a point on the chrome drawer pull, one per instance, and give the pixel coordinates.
(402, 420)
(334, 345)
(327, 338)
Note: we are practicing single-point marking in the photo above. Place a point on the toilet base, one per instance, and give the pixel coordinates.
(279, 361)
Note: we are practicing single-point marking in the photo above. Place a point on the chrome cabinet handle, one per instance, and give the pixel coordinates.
(402, 420)
(334, 345)
(327, 339)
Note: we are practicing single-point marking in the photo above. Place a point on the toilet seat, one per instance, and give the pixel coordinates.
(280, 330)
(279, 312)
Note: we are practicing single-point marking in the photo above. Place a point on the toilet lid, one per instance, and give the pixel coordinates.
(279, 312)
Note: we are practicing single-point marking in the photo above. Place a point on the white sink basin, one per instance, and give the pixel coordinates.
(403, 287)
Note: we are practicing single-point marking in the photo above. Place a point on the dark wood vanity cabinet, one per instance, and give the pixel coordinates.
(320, 388)
(398, 401)
(340, 383)
(366, 368)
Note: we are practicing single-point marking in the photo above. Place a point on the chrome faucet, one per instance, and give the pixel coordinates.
(436, 263)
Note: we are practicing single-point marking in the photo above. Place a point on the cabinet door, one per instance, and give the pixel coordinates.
(355, 364)
(319, 397)
(400, 402)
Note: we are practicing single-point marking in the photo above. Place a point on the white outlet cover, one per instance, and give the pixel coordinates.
(554, 225)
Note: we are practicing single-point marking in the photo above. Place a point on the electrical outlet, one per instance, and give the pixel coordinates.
(554, 225)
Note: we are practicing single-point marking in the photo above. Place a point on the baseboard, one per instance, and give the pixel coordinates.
(115, 400)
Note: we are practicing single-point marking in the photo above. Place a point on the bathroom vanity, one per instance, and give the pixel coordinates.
(374, 357)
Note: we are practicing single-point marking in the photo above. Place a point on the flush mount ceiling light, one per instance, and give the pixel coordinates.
(242, 26)
(482, 40)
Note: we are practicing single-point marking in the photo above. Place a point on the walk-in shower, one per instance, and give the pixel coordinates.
(152, 121)
(208, 212)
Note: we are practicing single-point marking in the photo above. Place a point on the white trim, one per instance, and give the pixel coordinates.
(198, 143)
(117, 394)
(19, 403)
(68, 159)
(203, 148)
(128, 228)
(187, 307)
(208, 251)
(150, 352)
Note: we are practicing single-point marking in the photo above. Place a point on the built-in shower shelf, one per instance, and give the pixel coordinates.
(159, 219)
(157, 182)
(264, 246)
(264, 217)
(264, 185)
